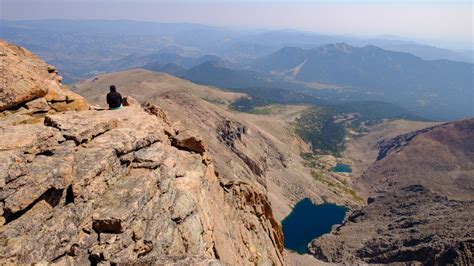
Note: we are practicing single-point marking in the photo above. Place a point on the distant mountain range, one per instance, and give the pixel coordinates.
(430, 52)
(239, 59)
(436, 87)
(218, 74)
(170, 68)
(207, 69)
(164, 57)
(79, 48)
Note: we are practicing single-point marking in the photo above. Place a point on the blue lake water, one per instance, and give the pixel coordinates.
(342, 168)
(308, 221)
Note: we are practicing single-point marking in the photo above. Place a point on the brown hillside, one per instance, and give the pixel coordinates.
(421, 203)
(440, 158)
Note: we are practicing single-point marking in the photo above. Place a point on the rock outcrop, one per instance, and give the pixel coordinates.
(29, 84)
(396, 144)
(98, 186)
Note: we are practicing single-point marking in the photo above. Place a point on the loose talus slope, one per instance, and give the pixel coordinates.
(420, 205)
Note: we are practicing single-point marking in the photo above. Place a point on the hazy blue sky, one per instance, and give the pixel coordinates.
(449, 21)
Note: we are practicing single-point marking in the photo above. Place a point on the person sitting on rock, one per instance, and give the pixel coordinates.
(114, 99)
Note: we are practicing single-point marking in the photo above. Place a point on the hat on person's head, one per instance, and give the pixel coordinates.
(112, 88)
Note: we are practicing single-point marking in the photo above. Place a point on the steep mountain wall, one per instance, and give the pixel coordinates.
(420, 205)
(87, 186)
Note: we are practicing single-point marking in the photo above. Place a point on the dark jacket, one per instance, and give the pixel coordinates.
(114, 99)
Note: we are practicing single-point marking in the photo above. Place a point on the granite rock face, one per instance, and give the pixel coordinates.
(119, 187)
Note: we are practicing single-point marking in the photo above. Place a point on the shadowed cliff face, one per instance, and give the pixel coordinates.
(89, 186)
(421, 204)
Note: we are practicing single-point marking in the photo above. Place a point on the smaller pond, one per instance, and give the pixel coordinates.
(308, 221)
(342, 168)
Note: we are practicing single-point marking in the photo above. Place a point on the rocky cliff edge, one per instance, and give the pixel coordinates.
(89, 186)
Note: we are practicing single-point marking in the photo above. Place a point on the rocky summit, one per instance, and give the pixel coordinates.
(83, 185)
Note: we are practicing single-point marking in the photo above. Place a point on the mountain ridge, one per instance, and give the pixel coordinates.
(65, 43)
(431, 88)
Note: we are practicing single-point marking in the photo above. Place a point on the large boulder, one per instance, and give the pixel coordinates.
(61, 99)
(190, 141)
(24, 77)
